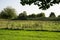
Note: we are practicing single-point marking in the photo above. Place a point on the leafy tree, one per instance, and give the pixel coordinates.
(58, 15)
(52, 14)
(22, 15)
(32, 15)
(41, 15)
(0, 14)
(8, 13)
(42, 4)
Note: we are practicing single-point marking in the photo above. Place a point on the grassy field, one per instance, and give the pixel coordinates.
(15, 34)
(30, 25)
(28, 35)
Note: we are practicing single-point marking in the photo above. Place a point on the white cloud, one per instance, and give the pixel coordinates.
(29, 9)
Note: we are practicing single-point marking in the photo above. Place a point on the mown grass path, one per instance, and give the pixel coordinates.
(28, 35)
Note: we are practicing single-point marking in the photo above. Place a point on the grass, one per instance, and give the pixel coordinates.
(28, 35)
(30, 25)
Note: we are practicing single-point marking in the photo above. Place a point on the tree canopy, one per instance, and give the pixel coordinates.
(8, 13)
(42, 4)
(41, 14)
(32, 15)
(22, 15)
(52, 14)
(58, 15)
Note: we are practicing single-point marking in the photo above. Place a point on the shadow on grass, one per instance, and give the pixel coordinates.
(30, 30)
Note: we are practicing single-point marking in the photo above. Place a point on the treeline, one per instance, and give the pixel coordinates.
(10, 13)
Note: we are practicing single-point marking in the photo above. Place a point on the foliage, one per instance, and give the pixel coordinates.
(42, 4)
(52, 15)
(22, 15)
(58, 15)
(32, 16)
(8, 13)
(41, 15)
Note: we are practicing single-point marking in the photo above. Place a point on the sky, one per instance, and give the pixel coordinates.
(29, 9)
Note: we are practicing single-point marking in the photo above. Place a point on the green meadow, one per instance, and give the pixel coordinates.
(28, 35)
(29, 30)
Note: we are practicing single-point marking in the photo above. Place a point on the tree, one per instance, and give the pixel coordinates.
(42, 4)
(22, 15)
(41, 15)
(52, 14)
(8, 13)
(59, 16)
(32, 15)
(0, 14)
